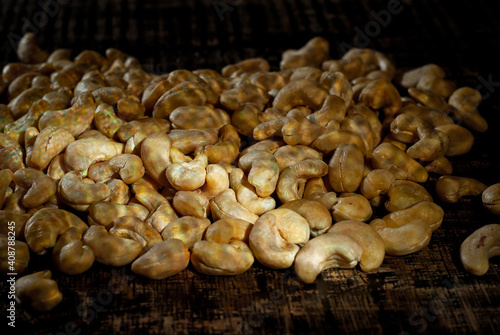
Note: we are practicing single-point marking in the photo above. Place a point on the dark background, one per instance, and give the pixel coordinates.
(427, 292)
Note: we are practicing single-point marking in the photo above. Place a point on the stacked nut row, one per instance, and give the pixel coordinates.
(222, 169)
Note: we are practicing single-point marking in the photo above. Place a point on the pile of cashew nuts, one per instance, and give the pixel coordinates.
(101, 161)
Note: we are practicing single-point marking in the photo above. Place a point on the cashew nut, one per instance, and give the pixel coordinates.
(292, 180)
(423, 210)
(345, 170)
(263, 171)
(128, 167)
(450, 189)
(70, 255)
(317, 216)
(405, 193)
(491, 198)
(479, 247)
(352, 206)
(389, 157)
(188, 229)
(247, 196)
(82, 153)
(38, 291)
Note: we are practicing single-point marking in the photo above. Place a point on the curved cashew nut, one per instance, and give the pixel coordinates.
(216, 181)
(133, 228)
(377, 182)
(330, 141)
(22, 255)
(403, 240)
(460, 140)
(43, 228)
(491, 198)
(106, 121)
(191, 203)
(479, 247)
(118, 191)
(111, 250)
(227, 148)
(381, 94)
(423, 210)
(451, 188)
(155, 154)
(225, 206)
(221, 259)
(184, 94)
(82, 153)
(247, 196)
(188, 176)
(48, 144)
(199, 117)
(333, 109)
(74, 191)
(128, 166)
(345, 170)
(244, 93)
(187, 140)
(16, 129)
(326, 251)
(163, 260)
(292, 180)
(188, 229)
(337, 84)
(228, 229)
(465, 100)
(368, 239)
(302, 92)
(405, 193)
(276, 236)
(313, 53)
(291, 154)
(317, 216)
(315, 190)
(263, 171)
(147, 126)
(70, 255)
(38, 291)
(389, 157)
(105, 213)
(74, 119)
(41, 188)
(352, 207)
(285, 127)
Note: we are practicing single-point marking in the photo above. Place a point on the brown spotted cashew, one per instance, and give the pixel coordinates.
(479, 247)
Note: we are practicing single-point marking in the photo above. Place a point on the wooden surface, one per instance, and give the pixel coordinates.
(427, 292)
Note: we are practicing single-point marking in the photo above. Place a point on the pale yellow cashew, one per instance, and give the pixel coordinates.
(188, 176)
(163, 260)
(135, 229)
(188, 229)
(155, 154)
(111, 250)
(276, 237)
(48, 144)
(191, 203)
(423, 210)
(128, 167)
(105, 213)
(81, 154)
(247, 196)
(317, 216)
(479, 247)
(263, 171)
(326, 251)
(225, 205)
(352, 206)
(221, 259)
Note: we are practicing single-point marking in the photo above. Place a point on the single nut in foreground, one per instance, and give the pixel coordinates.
(491, 198)
(38, 291)
(451, 188)
(479, 247)
(163, 260)
(221, 259)
(332, 250)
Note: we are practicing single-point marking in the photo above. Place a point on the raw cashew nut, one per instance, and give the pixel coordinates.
(460, 141)
(276, 236)
(291, 154)
(74, 191)
(216, 181)
(314, 212)
(38, 291)
(133, 228)
(128, 167)
(199, 117)
(315, 190)
(227, 229)
(48, 144)
(451, 188)
(377, 182)
(368, 239)
(345, 170)
(244, 93)
(21, 256)
(74, 119)
(326, 251)
(163, 260)
(491, 198)
(302, 92)
(403, 240)
(70, 255)
(405, 193)
(44, 227)
(479, 247)
(465, 100)
(352, 207)
(247, 196)
(263, 171)
(423, 210)
(81, 154)
(313, 53)
(227, 148)
(147, 126)
(221, 259)
(191, 203)
(41, 188)
(389, 157)
(292, 180)
(381, 94)
(111, 250)
(330, 141)
(183, 94)
(106, 121)
(155, 154)
(188, 176)
(105, 213)
(187, 140)
(188, 229)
